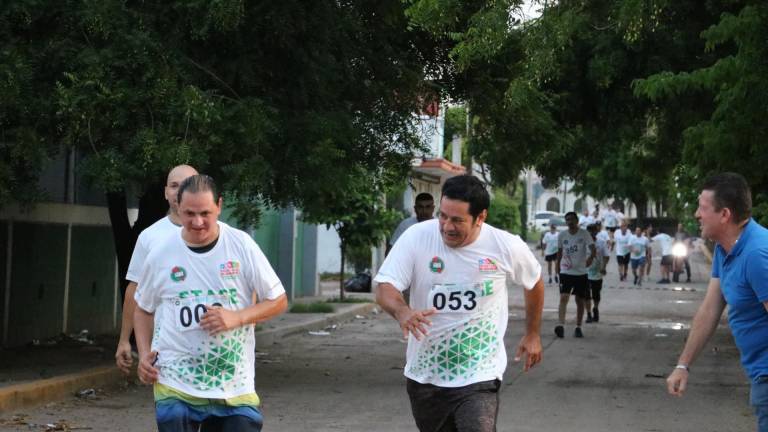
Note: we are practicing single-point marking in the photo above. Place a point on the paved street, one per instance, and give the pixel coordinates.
(612, 380)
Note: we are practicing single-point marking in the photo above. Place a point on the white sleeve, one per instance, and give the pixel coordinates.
(261, 276)
(397, 268)
(146, 292)
(138, 257)
(524, 268)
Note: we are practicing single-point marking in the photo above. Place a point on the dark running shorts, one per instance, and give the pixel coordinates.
(573, 284)
(552, 257)
(472, 408)
(595, 286)
(666, 260)
(622, 259)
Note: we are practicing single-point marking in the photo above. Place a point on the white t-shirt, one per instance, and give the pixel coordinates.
(601, 250)
(665, 241)
(638, 246)
(575, 251)
(622, 242)
(467, 286)
(604, 236)
(585, 221)
(611, 218)
(177, 283)
(550, 243)
(153, 235)
(401, 227)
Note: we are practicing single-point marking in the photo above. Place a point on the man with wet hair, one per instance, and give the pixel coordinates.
(198, 298)
(457, 267)
(152, 236)
(739, 269)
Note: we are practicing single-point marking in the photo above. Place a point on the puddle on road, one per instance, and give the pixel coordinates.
(659, 325)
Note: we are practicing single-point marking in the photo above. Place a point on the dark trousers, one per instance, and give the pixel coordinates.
(472, 408)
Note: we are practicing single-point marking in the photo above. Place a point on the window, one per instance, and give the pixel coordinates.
(553, 204)
(579, 206)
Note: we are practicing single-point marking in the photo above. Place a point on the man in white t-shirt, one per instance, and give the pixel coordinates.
(621, 239)
(639, 255)
(595, 273)
(611, 220)
(576, 251)
(586, 219)
(457, 268)
(549, 250)
(149, 238)
(195, 304)
(423, 208)
(665, 244)
(603, 235)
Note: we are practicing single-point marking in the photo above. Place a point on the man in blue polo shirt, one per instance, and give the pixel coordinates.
(738, 280)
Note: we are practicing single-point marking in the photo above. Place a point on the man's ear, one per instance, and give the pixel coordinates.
(482, 216)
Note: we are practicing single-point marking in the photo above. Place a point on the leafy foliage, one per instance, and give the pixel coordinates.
(731, 134)
(505, 210)
(284, 102)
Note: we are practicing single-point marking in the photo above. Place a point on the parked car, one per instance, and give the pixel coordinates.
(541, 220)
(558, 221)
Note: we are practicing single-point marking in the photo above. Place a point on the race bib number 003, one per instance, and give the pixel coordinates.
(189, 311)
(458, 298)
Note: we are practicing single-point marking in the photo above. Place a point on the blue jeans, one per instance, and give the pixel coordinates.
(758, 397)
(174, 415)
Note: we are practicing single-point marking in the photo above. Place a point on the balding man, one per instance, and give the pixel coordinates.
(154, 235)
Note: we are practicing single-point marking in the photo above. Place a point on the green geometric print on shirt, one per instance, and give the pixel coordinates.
(460, 353)
(217, 366)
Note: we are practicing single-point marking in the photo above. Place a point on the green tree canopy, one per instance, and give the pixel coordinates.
(286, 102)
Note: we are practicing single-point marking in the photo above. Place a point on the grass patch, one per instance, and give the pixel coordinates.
(349, 300)
(315, 307)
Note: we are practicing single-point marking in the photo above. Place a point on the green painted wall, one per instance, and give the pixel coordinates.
(37, 281)
(298, 256)
(91, 280)
(267, 235)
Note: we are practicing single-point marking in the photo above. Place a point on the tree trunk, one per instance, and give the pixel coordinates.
(641, 204)
(341, 273)
(152, 207)
(122, 234)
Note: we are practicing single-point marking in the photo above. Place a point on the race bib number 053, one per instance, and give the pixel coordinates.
(458, 298)
(189, 311)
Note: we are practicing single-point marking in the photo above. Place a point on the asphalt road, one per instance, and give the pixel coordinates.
(351, 379)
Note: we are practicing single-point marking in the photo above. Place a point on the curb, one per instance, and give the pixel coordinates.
(270, 336)
(38, 392)
(45, 390)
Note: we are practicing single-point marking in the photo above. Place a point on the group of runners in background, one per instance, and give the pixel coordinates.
(580, 254)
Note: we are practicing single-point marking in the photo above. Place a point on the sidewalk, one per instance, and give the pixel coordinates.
(49, 370)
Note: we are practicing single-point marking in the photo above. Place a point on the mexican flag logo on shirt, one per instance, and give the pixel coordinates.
(436, 265)
(178, 274)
